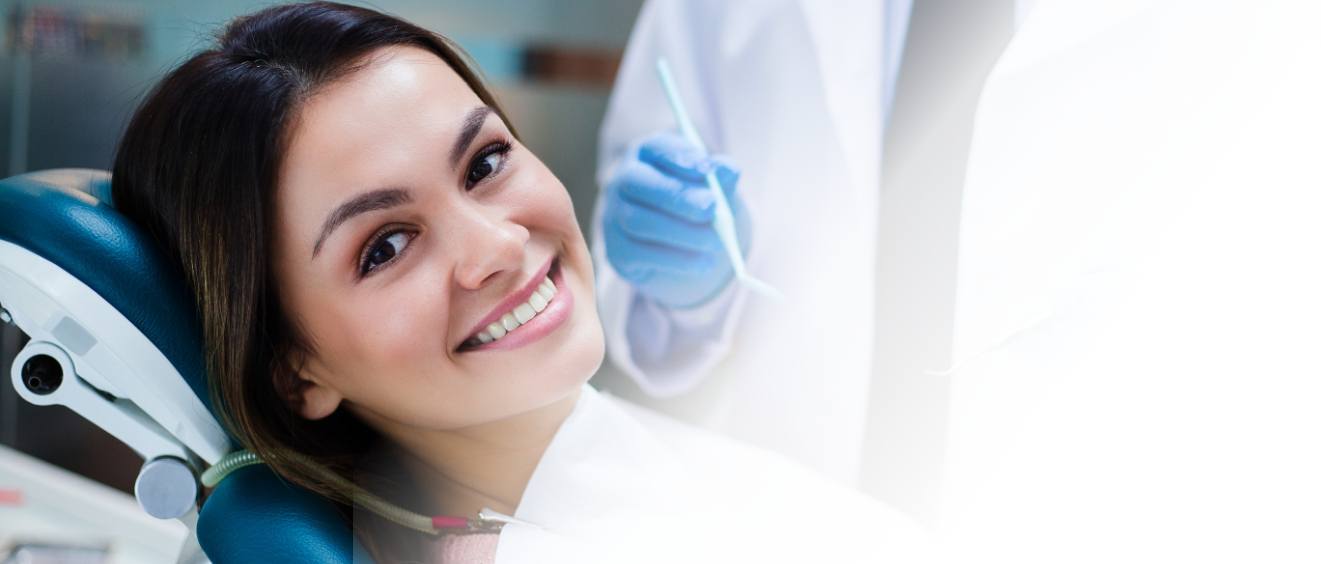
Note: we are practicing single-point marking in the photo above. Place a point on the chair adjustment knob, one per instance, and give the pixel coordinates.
(166, 488)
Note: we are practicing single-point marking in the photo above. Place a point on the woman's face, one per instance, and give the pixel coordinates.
(414, 236)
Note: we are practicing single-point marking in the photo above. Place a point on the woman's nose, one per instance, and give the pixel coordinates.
(491, 245)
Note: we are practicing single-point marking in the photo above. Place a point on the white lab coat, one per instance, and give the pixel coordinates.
(619, 483)
(1136, 374)
(784, 89)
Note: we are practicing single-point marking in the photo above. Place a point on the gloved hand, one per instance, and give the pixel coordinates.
(658, 222)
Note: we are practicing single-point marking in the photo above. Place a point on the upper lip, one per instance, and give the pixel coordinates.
(511, 301)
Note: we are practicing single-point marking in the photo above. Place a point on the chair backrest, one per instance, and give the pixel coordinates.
(63, 223)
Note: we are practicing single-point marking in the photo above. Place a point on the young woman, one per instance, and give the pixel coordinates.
(397, 299)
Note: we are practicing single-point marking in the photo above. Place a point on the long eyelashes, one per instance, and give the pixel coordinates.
(384, 249)
(488, 162)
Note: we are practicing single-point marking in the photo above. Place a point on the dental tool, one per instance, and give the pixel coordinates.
(724, 219)
(487, 519)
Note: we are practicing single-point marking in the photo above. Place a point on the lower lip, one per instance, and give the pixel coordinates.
(545, 323)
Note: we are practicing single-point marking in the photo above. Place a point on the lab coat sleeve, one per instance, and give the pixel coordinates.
(667, 352)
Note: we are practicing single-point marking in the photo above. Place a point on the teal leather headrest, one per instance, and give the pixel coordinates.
(65, 216)
(254, 516)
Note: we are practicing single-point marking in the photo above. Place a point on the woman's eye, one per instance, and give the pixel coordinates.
(384, 250)
(486, 164)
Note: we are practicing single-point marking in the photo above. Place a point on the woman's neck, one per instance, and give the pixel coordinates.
(461, 471)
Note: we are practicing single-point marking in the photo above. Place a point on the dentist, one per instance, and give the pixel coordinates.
(795, 99)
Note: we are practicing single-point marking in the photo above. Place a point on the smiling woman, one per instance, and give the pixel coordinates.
(398, 305)
(363, 232)
(395, 253)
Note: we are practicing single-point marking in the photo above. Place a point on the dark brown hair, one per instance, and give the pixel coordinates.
(197, 168)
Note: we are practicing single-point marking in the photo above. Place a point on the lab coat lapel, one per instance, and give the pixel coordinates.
(952, 45)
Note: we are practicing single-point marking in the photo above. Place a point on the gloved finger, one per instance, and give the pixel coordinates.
(674, 156)
(644, 185)
(633, 258)
(628, 253)
(647, 224)
(728, 174)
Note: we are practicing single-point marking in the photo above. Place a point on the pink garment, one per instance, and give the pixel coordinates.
(465, 548)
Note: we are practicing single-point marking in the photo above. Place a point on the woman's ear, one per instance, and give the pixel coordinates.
(318, 400)
(305, 390)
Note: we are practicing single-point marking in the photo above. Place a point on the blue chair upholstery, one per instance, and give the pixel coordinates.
(55, 214)
(237, 520)
(65, 217)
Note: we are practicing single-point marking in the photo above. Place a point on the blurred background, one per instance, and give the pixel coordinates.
(71, 74)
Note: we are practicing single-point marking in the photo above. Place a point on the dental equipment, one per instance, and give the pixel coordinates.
(724, 219)
(114, 337)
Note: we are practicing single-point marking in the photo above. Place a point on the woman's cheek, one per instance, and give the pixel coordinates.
(411, 325)
(539, 187)
(554, 199)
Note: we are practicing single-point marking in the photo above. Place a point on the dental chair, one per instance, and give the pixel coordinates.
(113, 336)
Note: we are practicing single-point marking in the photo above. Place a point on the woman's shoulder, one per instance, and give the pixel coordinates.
(703, 446)
(743, 466)
(753, 490)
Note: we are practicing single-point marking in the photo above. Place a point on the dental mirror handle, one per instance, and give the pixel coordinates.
(724, 219)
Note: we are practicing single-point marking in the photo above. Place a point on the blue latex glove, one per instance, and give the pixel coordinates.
(658, 222)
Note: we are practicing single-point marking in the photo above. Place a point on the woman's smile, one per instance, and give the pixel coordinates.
(540, 307)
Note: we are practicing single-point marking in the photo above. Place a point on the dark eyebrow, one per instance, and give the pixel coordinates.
(360, 204)
(472, 125)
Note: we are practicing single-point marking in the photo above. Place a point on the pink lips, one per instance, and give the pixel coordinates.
(545, 322)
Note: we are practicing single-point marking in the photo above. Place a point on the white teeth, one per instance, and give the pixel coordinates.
(537, 302)
(509, 322)
(522, 313)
